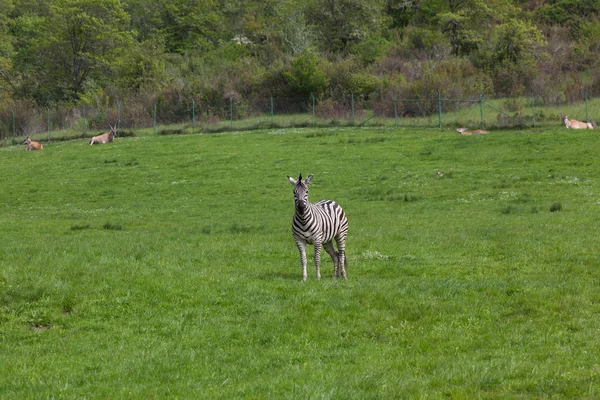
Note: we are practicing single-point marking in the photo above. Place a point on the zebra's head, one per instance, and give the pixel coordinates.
(301, 192)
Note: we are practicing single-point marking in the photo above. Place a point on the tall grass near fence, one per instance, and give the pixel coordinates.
(165, 267)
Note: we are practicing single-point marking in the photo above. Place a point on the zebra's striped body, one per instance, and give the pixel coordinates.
(319, 224)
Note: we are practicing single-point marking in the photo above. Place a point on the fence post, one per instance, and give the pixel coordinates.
(193, 114)
(13, 128)
(439, 109)
(272, 112)
(395, 111)
(587, 117)
(481, 122)
(48, 124)
(231, 113)
(118, 117)
(352, 108)
(313, 110)
(533, 109)
(84, 122)
(154, 119)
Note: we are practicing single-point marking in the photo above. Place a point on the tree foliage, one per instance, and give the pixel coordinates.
(71, 51)
(59, 61)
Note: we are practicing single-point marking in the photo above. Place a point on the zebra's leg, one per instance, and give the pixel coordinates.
(302, 249)
(334, 257)
(318, 259)
(341, 244)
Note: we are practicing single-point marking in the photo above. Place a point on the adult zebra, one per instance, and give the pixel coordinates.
(318, 224)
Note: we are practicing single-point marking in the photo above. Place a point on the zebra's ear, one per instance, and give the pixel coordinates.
(292, 180)
(309, 179)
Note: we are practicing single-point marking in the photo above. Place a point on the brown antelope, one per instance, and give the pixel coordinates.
(32, 145)
(463, 131)
(574, 124)
(105, 137)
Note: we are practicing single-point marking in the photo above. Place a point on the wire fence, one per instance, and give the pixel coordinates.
(179, 116)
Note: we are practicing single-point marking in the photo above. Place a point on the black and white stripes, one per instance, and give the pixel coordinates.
(319, 224)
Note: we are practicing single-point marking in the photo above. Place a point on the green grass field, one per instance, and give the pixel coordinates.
(164, 267)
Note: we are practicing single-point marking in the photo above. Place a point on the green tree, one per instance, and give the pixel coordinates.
(344, 22)
(518, 42)
(573, 14)
(6, 52)
(516, 50)
(467, 22)
(306, 76)
(181, 25)
(189, 25)
(78, 45)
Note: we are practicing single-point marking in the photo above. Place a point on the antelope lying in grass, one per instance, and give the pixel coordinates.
(32, 145)
(105, 137)
(463, 131)
(574, 124)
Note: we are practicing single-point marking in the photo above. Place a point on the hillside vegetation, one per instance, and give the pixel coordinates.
(165, 267)
(84, 52)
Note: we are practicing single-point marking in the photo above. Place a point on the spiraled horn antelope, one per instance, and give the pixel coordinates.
(105, 137)
(32, 145)
(463, 131)
(574, 124)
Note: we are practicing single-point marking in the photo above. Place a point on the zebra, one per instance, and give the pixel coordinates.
(318, 224)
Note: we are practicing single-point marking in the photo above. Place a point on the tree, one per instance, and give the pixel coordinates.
(344, 22)
(518, 42)
(518, 46)
(306, 76)
(189, 25)
(79, 44)
(468, 22)
(6, 52)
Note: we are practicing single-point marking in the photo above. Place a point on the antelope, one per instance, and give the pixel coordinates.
(463, 131)
(32, 145)
(574, 124)
(105, 137)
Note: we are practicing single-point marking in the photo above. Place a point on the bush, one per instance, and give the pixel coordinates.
(306, 77)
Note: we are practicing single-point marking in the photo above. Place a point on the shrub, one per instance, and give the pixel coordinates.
(306, 77)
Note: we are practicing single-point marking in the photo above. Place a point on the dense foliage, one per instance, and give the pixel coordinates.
(87, 52)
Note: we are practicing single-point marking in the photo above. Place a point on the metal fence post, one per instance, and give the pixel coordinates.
(84, 122)
(533, 109)
(272, 112)
(352, 93)
(13, 128)
(48, 123)
(481, 122)
(395, 111)
(154, 119)
(118, 117)
(193, 114)
(231, 113)
(439, 109)
(313, 110)
(587, 117)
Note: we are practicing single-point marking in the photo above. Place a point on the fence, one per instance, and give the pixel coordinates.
(195, 116)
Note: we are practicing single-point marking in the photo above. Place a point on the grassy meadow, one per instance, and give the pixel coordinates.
(164, 267)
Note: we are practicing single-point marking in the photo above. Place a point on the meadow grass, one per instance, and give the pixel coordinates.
(164, 266)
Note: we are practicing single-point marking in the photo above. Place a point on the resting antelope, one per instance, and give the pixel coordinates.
(32, 145)
(574, 124)
(463, 131)
(105, 137)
